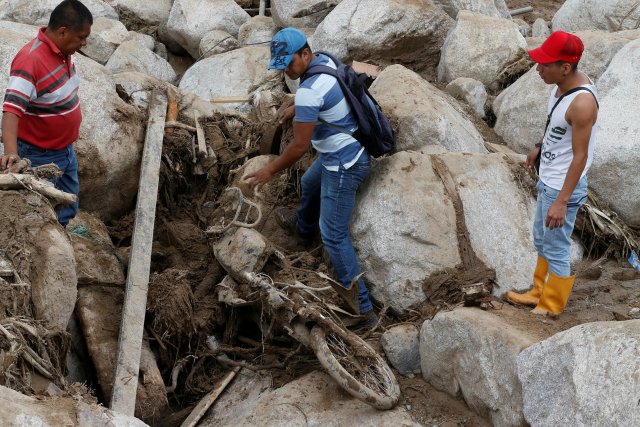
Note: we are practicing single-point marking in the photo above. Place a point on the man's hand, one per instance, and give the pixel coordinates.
(556, 214)
(8, 160)
(259, 177)
(287, 114)
(531, 158)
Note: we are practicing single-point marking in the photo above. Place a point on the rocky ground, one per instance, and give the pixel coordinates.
(451, 207)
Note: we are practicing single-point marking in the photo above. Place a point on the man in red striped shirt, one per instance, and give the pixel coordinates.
(41, 110)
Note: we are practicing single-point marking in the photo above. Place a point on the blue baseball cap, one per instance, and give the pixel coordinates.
(283, 45)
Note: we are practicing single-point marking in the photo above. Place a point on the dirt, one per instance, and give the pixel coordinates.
(544, 9)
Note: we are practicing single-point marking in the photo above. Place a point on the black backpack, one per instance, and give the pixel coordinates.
(374, 130)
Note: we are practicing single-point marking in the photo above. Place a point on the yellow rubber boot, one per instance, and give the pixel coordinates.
(555, 296)
(532, 296)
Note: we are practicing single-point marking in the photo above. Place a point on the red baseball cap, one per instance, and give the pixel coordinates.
(560, 46)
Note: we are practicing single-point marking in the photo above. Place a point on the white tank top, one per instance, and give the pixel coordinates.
(557, 152)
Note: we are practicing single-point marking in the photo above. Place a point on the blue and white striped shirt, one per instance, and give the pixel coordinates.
(320, 98)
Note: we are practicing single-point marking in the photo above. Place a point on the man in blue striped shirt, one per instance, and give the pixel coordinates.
(329, 186)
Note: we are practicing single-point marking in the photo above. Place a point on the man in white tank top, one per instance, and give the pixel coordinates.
(566, 152)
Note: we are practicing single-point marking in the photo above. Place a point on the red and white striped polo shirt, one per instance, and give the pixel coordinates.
(43, 92)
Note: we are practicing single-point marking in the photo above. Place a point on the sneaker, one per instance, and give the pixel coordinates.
(286, 218)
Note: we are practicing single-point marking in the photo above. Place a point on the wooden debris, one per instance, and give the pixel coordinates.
(14, 181)
(207, 401)
(521, 11)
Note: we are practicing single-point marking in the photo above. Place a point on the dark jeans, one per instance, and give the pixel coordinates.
(66, 160)
(327, 201)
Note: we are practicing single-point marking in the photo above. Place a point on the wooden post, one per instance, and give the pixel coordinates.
(521, 11)
(125, 383)
(263, 7)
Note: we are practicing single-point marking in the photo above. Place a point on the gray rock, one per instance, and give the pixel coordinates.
(479, 47)
(18, 410)
(284, 10)
(312, 400)
(242, 250)
(188, 23)
(132, 56)
(612, 15)
(472, 353)
(613, 174)
(143, 40)
(401, 344)
(424, 115)
(38, 13)
(96, 261)
(259, 29)
(24, 30)
(148, 12)
(471, 91)
(394, 31)
(140, 85)
(106, 35)
(540, 28)
(232, 73)
(46, 260)
(217, 41)
(587, 375)
(400, 246)
(495, 8)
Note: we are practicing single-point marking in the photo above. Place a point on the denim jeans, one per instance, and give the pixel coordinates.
(66, 160)
(554, 245)
(327, 201)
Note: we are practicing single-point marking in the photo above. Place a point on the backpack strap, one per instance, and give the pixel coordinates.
(569, 92)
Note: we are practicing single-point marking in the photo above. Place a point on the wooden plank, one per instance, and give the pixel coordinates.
(125, 383)
(263, 7)
(206, 402)
(202, 144)
(521, 11)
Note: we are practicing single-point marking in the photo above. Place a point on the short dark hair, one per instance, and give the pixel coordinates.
(71, 14)
(306, 46)
(574, 65)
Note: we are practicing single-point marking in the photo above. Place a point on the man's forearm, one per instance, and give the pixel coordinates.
(573, 176)
(10, 132)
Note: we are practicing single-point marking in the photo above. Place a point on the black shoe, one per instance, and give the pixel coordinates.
(286, 218)
(369, 322)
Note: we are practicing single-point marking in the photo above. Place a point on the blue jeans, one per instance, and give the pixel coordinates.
(554, 245)
(327, 201)
(66, 160)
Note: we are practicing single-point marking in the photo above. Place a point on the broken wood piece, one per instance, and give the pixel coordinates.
(14, 181)
(125, 383)
(175, 124)
(521, 11)
(172, 109)
(263, 8)
(362, 67)
(230, 100)
(202, 143)
(206, 402)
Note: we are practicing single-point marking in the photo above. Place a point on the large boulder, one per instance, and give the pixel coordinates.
(521, 109)
(232, 73)
(190, 20)
(258, 29)
(495, 8)
(142, 13)
(314, 399)
(587, 375)
(283, 12)
(613, 175)
(472, 92)
(38, 13)
(25, 30)
(18, 410)
(611, 15)
(97, 261)
(398, 244)
(401, 188)
(100, 312)
(472, 353)
(401, 344)
(110, 145)
(479, 47)
(132, 56)
(139, 86)
(423, 114)
(217, 41)
(106, 35)
(409, 32)
(41, 253)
